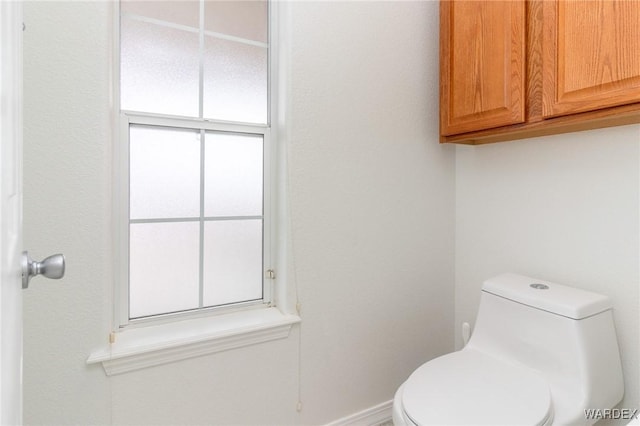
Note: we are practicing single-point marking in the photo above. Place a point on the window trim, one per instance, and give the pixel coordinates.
(121, 122)
(164, 343)
(129, 349)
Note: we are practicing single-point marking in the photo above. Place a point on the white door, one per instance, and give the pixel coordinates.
(10, 212)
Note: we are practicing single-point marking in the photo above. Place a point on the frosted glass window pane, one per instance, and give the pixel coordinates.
(235, 81)
(183, 12)
(159, 69)
(164, 173)
(163, 271)
(232, 175)
(244, 19)
(232, 261)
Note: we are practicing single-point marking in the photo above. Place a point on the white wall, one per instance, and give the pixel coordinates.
(561, 208)
(372, 214)
(371, 199)
(66, 209)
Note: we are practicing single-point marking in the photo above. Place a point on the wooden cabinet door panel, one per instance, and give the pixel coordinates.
(591, 55)
(482, 65)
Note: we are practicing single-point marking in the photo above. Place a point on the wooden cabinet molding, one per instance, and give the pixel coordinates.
(582, 62)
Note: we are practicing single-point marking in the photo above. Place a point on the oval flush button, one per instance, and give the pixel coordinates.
(539, 286)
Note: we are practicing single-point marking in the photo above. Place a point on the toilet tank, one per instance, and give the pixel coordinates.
(565, 333)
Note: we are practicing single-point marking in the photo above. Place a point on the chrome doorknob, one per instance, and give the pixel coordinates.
(51, 267)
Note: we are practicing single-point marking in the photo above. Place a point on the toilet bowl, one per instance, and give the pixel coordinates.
(541, 354)
(492, 392)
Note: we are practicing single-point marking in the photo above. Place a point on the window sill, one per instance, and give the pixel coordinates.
(160, 344)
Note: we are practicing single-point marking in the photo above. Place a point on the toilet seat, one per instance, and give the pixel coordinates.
(470, 387)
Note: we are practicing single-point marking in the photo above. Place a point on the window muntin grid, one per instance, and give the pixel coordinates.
(202, 221)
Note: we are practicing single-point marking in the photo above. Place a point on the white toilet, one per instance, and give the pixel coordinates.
(541, 353)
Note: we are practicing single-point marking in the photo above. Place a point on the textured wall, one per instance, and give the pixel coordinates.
(66, 209)
(371, 226)
(371, 198)
(561, 208)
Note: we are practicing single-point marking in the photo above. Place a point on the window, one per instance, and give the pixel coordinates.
(194, 157)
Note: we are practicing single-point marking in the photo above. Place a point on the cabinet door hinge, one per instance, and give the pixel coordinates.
(271, 274)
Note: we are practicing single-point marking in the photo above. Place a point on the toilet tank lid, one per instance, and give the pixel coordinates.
(556, 298)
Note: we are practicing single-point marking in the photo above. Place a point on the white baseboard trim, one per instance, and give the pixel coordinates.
(370, 417)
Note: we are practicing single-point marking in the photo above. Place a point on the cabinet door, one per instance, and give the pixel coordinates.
(482, 64)
(591, 55)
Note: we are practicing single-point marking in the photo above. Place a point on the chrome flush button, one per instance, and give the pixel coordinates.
(539, 286)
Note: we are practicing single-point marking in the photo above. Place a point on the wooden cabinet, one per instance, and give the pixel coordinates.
(514, 69)
(482, 66)
(592, 55)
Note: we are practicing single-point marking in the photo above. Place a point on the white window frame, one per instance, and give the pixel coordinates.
(123, 120)
(140, 345)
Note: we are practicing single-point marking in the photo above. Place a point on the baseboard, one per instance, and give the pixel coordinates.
(372, 416)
